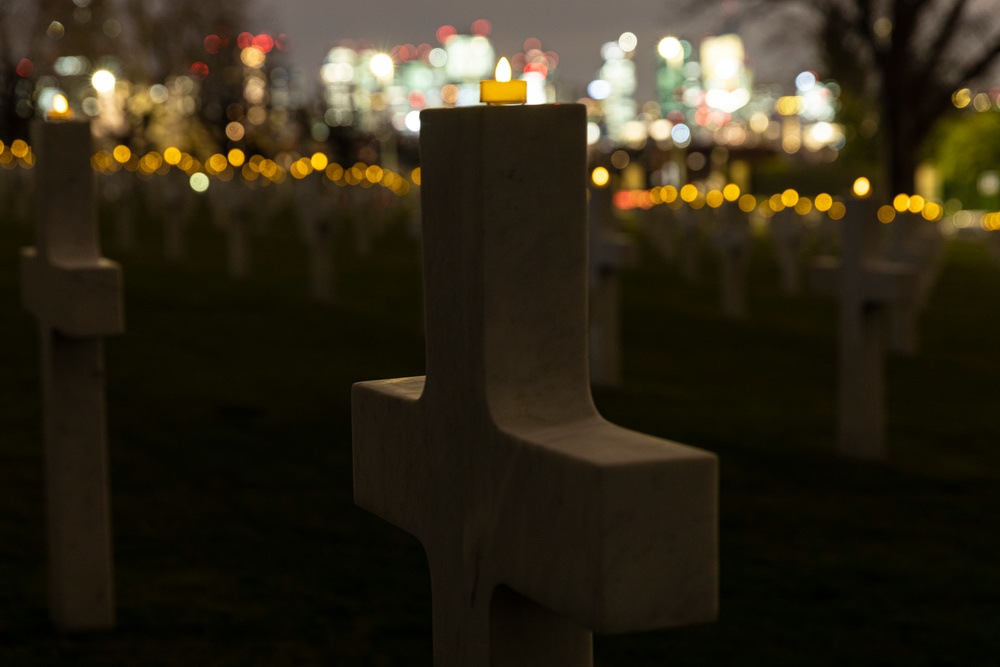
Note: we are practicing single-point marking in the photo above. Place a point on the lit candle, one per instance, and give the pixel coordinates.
(503, 90)
(60, 109)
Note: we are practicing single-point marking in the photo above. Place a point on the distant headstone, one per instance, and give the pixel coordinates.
(788, 237)
(175, 199)
(689, 243)
(15, 193)
(315, 198)
(993, 243)
(234, 208)
(917, 243)
(610, 251)
(867, 287)
(77, 296)
(732, 239)
(659, 226)
(540, 520)
(118, 191)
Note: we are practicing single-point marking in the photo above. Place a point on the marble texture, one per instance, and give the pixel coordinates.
(541, 521)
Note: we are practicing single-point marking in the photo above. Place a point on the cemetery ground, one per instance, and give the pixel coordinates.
(237, 542)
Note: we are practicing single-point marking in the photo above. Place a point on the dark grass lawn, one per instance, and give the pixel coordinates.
(237, 542)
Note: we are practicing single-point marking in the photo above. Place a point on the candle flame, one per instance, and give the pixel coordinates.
(60, 104)
(503, 70)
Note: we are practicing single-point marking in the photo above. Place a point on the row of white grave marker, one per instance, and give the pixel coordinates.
(541, 520)
(677, 236)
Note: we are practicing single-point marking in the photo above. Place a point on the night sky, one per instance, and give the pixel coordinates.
(575, 34)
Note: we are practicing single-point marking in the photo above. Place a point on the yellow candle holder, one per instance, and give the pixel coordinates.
(60, 109)
(503, 90)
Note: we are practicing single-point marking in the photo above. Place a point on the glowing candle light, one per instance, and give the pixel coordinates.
(60, 109)
(503, 90)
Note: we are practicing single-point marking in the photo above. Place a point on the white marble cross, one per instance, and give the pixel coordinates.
(689, 239)
(314, 199)
(917, 243)
(660, 226)
(175, 198)
(610, 251)
(77, 296)
(866, 286)
(788, 234)
(234, 204)
(540, 520)
(732, 241)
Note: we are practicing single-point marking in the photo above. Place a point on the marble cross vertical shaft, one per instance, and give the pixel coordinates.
(541, 521)
(866, 286)
(77, 297)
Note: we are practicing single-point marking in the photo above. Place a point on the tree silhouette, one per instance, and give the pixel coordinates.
(912, 55)
(903, 58)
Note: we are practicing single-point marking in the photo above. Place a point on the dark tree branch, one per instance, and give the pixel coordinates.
(945, 35)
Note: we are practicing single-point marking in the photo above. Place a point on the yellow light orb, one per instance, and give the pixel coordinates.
(901, 202)
(789, 198)
(319, 161)
(731, 192)
(886, 214)
(862, 187)
(600, 176)
(172, 155)
(122, 153)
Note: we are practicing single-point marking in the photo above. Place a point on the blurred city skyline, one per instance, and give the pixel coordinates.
(576, 34)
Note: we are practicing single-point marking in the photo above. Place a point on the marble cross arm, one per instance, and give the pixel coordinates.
(76, 299)
(608, 527)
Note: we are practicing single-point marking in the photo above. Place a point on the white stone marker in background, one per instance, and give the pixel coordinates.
(314, 199)
(866, 286)
(689, 240)
(788, 237)
(610, 252)
(175, 199)
(234, 207)
(660, 226)
(732, 241)
(77, 296)
(119, 192)
(540, 520)
(917, 243)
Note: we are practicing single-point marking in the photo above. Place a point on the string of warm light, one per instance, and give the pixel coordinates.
(697, 198)
(267, 171)
(256, 168)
